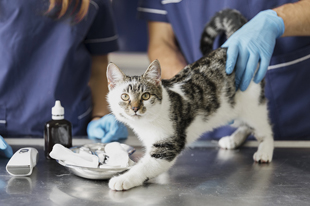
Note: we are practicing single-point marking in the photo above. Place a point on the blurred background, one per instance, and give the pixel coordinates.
(133, 37)
(131, 30)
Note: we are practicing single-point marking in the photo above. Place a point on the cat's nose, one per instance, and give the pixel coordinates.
(135, 109)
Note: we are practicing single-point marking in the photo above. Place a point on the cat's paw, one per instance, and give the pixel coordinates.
(123, 182)
(264, 153)
(262, 157)
(227, 143)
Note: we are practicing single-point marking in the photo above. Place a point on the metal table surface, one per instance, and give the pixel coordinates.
(201, 176)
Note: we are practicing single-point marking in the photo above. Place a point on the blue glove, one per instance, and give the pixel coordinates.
(107, 129)
(252, 44)
(5, 149)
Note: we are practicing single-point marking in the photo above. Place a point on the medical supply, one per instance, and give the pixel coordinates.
(118, 156)
(22, 162)
(92, 161)
(57, 131)
(82, 159)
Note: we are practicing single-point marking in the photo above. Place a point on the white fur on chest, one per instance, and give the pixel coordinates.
(156, 129)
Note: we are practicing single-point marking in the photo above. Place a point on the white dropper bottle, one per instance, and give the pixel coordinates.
(58, 112)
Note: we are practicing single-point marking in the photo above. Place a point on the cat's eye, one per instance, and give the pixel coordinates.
(125, 97)
(146, 96)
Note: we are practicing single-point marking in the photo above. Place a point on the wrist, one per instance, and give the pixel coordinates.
(277, 22)
(96, 117)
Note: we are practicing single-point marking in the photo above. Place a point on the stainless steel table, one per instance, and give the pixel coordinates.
(202, 175)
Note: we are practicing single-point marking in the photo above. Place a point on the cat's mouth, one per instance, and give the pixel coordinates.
(136, 115)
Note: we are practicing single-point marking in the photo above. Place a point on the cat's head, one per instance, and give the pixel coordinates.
(135, 97)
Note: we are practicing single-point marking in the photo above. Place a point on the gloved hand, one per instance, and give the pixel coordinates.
(5, 149)
(107, 129)
(252, 44)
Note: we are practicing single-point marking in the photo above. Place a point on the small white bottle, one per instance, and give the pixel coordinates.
(57, 131)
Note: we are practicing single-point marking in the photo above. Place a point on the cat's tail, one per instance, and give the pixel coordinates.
(227, 21)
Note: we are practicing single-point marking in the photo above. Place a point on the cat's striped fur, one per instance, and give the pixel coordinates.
(169, 114)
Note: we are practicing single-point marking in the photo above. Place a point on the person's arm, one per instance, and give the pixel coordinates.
(103, 126)
(162, 46)
(5, 149)
(99, 86)
(296, 17)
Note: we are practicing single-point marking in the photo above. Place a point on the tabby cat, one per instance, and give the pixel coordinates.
(169, 114)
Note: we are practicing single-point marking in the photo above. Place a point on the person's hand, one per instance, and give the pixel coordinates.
(5, 149)
(107, 129)
(252, 44)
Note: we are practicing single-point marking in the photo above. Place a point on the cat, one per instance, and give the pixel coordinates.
(169, 114)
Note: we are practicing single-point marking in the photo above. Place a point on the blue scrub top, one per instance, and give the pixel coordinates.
(43, 60)
(287, 79)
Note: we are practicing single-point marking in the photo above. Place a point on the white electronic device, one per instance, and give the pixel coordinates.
(22, 162)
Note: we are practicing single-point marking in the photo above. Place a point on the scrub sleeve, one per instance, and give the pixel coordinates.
(43, 60)
(287, 76)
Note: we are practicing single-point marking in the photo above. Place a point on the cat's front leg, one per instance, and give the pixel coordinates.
(147, 168)
(158, 159)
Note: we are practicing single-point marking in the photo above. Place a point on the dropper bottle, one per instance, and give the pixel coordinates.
(57, 131)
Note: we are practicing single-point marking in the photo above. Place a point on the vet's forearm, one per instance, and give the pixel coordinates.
(162, 46)
(296, 17)
(99, 86)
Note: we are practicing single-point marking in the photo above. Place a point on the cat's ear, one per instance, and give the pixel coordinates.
(153, 72)
(114, 75)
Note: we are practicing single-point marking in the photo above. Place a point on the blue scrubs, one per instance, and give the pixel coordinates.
(43, 60)
(287, 79)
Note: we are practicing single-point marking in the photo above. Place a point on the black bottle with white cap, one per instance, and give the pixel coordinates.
(57, 131)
